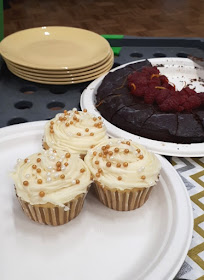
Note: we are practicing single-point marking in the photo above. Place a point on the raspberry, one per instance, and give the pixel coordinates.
(149, 97)
(192, 103)
(155, 88)
(162, 95)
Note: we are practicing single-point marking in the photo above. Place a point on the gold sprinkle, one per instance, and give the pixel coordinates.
(138, 150)
(54, 151)
(91, 177)
(128, 143)
(110, 153)
(74, 118)
(67, 124)
(77, 181)
(26, 160)
(99, 170)
(85, 110)
(107, 146)
(95, 119)
(71, 122)
(61, 119)
(58, 168)
(41, 194)
(125, 164)
(51, 122)
(51, 126)
(126, 151)
(99, 118)
(82, 170)
(94, 153)
(91, 134)
(95, 124)
(65, 112)
(39, 181)
(97, 174)
(141, 157)
(64, 118)
(39, 154)
(58, 164)
(100, 154)
(38, 159)
(103, 148)
(116, 150)
(62, 176)
(66, 163)
(67, 155)
(118, 165)
(143, 177)
(78, 134)
(34, 166)
(104, 156)
(108, 164)
(51, 131)
(25, 183)
(92, 146)
(119, 178)
(87, 130)
(105, 152)
(96, 162)
(99, 126)
(38, 170)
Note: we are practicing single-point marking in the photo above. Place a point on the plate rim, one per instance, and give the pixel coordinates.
(181, 150)
(18, 130)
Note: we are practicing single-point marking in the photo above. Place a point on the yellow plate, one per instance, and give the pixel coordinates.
(55, 47)
(61, 74)
(61, 82)
(61, 71)
(62, 77)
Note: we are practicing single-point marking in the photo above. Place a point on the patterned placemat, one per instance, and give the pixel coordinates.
(191, 171)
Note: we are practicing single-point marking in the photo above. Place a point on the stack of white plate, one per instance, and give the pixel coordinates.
(57, 55)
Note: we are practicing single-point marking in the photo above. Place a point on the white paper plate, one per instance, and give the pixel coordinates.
(179, 71)
(145, 244)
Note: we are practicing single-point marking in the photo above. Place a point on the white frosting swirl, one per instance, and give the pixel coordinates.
(51, 177)
(121, 164)
(74, 131)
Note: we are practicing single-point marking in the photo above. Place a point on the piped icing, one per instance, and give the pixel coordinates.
(121, 164)
(74, 131)
(51, 177)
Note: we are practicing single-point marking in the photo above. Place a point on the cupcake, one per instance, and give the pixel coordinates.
(74, 131)
(124, 173)
(51, 186)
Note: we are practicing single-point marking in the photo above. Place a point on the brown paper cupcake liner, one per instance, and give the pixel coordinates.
(49, 214)
(46, 147)
(122, 200)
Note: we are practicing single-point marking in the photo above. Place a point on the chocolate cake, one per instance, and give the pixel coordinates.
(117, 104)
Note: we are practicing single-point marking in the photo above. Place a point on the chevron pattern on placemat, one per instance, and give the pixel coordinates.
(191, 171)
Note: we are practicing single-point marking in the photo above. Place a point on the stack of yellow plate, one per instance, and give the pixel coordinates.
(57, 55)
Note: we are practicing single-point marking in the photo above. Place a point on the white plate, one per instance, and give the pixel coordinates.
(145, 244)
(180, 71)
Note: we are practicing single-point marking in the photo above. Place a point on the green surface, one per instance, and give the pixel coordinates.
(1, 20)
(112, 36)
(116, 50)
